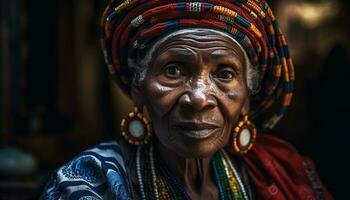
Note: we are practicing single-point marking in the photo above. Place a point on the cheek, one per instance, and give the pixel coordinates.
(160, 97)
(232, 101)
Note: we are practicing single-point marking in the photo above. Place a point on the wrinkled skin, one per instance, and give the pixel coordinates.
(195, 91)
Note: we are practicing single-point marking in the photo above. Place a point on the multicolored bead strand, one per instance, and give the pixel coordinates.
(154, 175)
(139, 175)
(220, 187)
(162, 185)
(226, 178)
(232, 181)
(173, 183)
(236, 174)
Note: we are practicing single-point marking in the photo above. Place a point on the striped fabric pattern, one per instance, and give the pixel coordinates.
(129, 26)
(97, 173)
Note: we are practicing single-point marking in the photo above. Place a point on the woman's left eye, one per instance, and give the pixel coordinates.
(225, 75)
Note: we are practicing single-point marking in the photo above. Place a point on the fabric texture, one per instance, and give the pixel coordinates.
(98, 173)
(276, 171)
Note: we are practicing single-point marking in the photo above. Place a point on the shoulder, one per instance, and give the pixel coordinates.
(279, 171)
(98, 172)
(275, 146)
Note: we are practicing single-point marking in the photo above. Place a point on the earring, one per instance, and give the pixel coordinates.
(244, 136)
(136, 128)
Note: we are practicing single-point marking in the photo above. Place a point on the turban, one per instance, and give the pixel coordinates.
(129, 26)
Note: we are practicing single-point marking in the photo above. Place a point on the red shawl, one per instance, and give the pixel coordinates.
(279, 172)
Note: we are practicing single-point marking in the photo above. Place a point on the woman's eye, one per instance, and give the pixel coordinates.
(225, 75)
(173, 71)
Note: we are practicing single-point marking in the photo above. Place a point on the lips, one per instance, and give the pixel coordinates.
(196, 130)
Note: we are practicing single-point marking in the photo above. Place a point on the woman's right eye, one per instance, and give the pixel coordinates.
(173, 71)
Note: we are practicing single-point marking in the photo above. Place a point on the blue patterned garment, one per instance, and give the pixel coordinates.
(97, 173)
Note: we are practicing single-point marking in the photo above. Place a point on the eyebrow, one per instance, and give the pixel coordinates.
(223, 52)
(218, 53)
(179, 51)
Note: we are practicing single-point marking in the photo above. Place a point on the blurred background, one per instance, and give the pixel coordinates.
(56, 98)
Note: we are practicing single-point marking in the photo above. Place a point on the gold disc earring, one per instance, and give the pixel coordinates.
(136, 128)
(243, 136)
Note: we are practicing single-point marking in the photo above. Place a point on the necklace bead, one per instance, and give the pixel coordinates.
(237, 175)
(163, 185)
(153, 171)
(138, 171)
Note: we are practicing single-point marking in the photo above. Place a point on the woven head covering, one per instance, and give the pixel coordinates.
(131, 25)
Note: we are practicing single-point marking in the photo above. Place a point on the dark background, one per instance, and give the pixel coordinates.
(56, 98)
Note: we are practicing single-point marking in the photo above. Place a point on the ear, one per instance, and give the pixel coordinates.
(246, 106)
(137, 95)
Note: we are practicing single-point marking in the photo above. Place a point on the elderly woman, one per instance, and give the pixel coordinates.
(204, 71)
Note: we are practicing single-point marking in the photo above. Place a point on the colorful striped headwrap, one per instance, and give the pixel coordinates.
(131, 25)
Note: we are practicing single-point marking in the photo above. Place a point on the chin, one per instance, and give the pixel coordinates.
(198, 153)
(196, 148)
(187, 145)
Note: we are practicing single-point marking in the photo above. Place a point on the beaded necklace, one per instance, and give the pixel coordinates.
(161, 184)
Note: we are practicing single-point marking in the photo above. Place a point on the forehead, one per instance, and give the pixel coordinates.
(205, 41)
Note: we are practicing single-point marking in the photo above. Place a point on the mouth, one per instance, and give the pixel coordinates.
(196, 130)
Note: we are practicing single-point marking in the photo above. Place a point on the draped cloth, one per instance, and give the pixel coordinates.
(279, 172)
(276, 171)
(95, 174)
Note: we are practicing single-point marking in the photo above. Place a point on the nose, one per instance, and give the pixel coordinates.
(198, 96)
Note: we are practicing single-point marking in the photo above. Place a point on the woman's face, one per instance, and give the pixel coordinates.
(195, 91)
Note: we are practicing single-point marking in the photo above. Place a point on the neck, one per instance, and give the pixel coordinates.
(193, 173)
